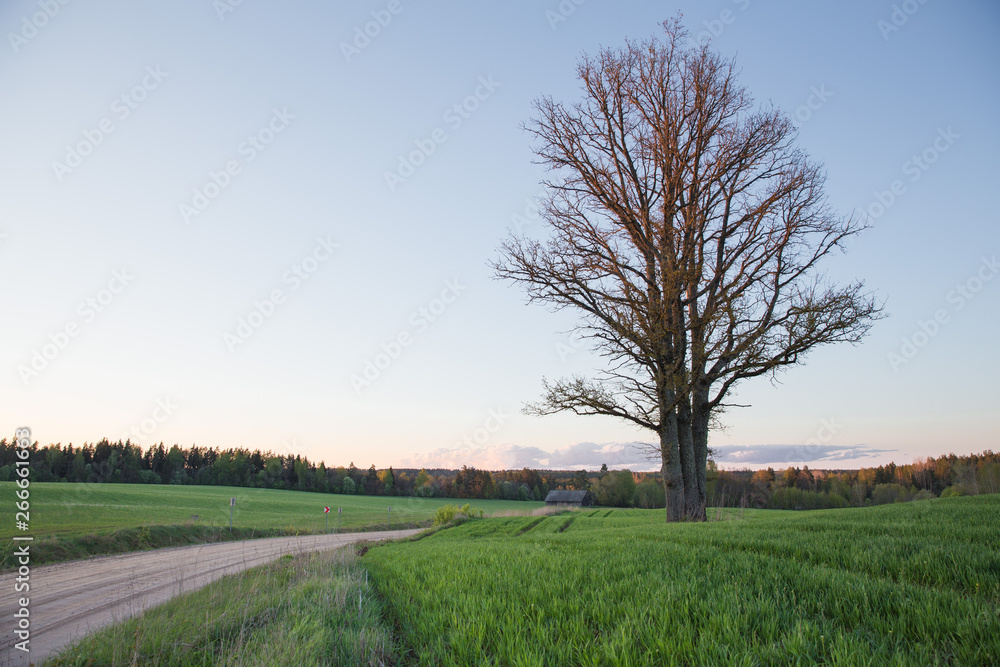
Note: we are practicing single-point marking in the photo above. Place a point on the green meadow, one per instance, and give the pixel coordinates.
(71, 520)
(904, 584)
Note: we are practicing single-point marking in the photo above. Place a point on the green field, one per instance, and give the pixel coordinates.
(75, 520)
(915, 583)
(77, 508)
(905, 584)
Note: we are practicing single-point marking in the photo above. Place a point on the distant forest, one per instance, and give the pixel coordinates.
(802, 488)
(792, 488)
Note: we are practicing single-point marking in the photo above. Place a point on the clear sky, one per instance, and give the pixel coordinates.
(201, 243)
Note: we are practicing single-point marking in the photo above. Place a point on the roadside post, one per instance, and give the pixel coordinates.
(232, 504)
(326, 515)
(340, 510)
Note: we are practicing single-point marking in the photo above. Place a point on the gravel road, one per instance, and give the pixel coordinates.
(69, 600)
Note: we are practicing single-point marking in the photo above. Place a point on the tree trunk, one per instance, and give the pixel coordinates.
(699, 440)
(673, 477)
(693, 503)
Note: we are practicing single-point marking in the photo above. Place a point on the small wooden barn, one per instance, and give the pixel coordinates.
(569, 498)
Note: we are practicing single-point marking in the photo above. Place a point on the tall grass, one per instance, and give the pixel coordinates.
(313, 609)
(913, 584)
(547, 510)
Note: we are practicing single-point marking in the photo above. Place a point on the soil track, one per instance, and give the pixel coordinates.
(70, 600)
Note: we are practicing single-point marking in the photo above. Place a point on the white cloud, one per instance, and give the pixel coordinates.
(635, 456)
(794, 454)
(586, 455)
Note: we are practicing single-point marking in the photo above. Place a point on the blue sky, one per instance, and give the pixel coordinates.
(202, 244)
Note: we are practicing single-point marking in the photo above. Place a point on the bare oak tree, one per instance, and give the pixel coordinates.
(687, 231)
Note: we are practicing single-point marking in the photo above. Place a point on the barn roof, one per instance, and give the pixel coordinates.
(562, 496)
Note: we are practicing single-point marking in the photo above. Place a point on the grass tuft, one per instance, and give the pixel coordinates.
(311, 609)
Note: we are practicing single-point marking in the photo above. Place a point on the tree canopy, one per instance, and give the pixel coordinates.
(688, 231)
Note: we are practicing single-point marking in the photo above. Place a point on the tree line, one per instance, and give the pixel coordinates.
(792, 488)
(797, 488)
(802, 488)
(127, 463)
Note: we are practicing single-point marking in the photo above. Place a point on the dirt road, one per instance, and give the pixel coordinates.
(69, 600)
